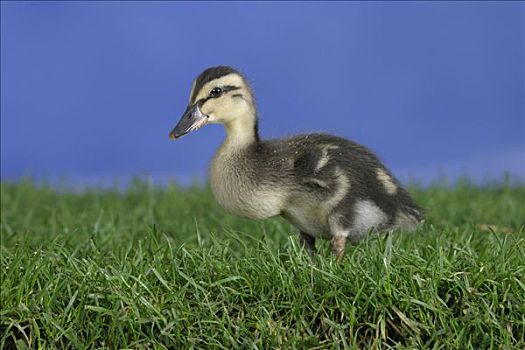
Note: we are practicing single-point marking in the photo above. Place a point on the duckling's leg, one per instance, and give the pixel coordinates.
(338, 244)
(307, 242)
(340, 231)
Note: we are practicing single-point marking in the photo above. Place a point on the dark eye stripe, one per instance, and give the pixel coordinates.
(220, 91)
(225, 88)
(217, 91)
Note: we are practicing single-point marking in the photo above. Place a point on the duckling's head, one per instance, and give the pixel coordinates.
(218, 95)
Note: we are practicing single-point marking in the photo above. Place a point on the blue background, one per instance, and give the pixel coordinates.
(90, 90)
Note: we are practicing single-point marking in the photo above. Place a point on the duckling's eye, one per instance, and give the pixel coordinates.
(216, 92)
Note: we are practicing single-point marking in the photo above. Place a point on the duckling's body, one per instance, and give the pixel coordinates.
(324, 185)
(315, 181)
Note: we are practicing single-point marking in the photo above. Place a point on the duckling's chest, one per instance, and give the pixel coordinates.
(239, 189)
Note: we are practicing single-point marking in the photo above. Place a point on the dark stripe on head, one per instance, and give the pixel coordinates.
(210, 74)
(225, 89)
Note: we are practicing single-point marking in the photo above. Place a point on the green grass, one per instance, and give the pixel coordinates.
(153, 268)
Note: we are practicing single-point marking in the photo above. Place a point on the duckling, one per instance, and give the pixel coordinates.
(326, 186)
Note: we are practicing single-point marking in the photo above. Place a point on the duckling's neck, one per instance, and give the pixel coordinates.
(241, 132)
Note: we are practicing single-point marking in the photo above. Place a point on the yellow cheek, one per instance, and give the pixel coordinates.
(208, 107)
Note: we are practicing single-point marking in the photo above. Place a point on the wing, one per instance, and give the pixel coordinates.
(319, 163)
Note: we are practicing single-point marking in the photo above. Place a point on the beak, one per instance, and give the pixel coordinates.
(192, 119)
